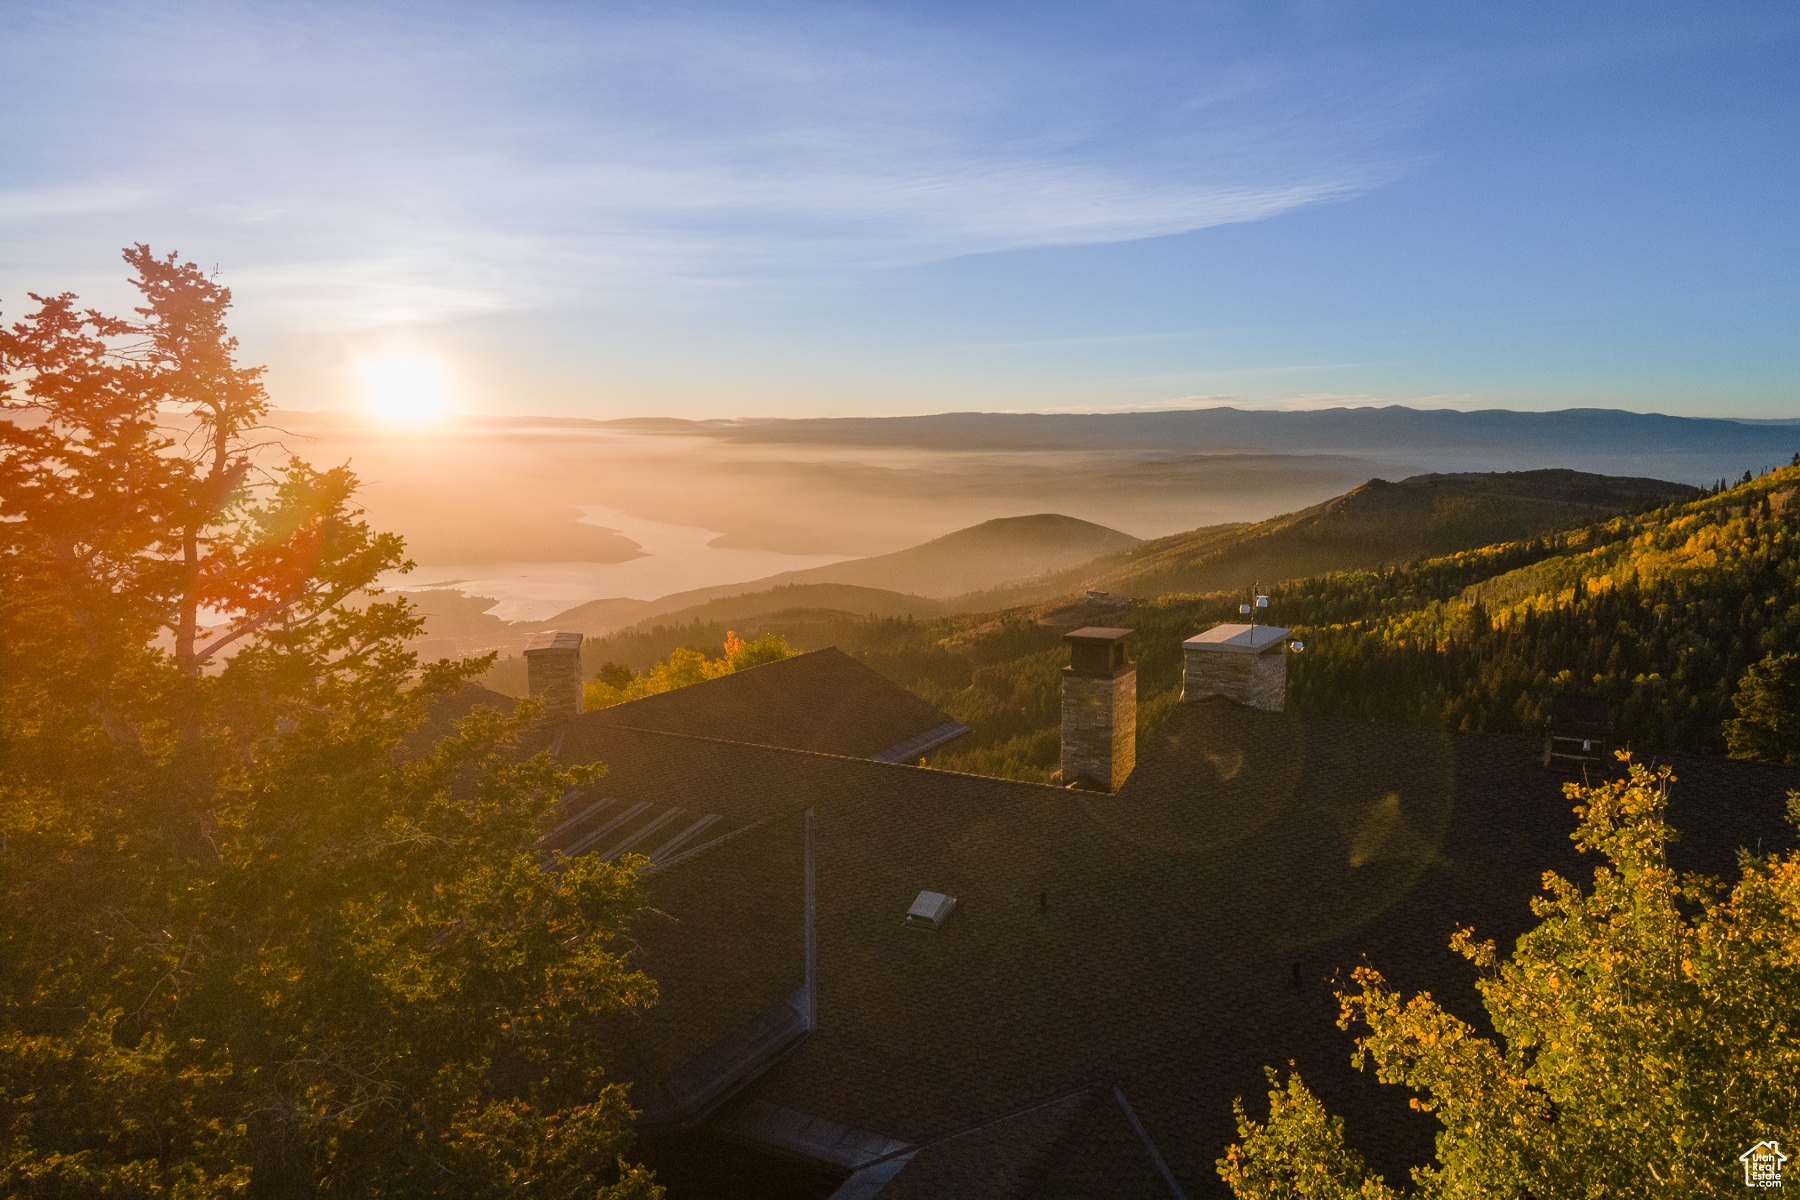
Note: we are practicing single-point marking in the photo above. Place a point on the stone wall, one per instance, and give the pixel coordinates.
(1099, 727)
(1256, 680)
(554, 676)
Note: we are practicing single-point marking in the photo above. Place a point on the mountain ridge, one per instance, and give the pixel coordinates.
(1374, 523)
(1001, 550)
(1572, 437)
(1356, 530)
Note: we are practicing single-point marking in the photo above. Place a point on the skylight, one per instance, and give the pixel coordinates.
(929, 910)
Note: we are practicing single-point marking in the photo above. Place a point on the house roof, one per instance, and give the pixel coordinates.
(1249, 848)
(823, 701)
(443, 712)
(1079, 1144)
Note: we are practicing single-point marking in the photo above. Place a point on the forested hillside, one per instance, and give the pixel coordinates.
(1371, 525)
(1661, 614)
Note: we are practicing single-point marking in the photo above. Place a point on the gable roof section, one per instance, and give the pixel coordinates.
(1247, 848)
(443, 712)
(667, 795)
(1084, 1143)
(824, 701)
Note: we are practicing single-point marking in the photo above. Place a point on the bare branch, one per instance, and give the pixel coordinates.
(251, 626)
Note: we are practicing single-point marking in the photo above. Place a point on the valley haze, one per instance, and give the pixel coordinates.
(541, 515)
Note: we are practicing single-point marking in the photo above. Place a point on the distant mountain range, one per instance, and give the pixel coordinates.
(1609, 441)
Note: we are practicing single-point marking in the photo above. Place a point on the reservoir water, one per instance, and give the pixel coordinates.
(675, 558)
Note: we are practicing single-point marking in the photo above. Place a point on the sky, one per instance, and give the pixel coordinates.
(776, 209)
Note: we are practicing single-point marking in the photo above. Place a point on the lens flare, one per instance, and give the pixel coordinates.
(405, 389)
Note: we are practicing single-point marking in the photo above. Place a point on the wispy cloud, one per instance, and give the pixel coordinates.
(74, 200)
(370, 166)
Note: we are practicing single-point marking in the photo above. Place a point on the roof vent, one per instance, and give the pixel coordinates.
(929, 910)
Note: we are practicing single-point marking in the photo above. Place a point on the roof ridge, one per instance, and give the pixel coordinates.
(718, 741)
(1144, 1139)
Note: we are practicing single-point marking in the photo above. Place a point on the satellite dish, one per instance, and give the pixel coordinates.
(1296, 645)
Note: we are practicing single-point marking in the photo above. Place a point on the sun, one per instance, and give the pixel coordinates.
(405, 389)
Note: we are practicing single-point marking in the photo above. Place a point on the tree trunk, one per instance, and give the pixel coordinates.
(187, 628)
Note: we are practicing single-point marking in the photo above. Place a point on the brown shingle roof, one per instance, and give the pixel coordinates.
(445, 711)
(1072, 1146)
(1246, 845)
(823, 701)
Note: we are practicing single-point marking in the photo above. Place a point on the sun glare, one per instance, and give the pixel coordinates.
(405, 389)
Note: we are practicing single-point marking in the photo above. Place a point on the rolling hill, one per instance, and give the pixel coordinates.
(906, 584)
(1003, 551)
(977, 558)
(1379, 522)
(600, 617)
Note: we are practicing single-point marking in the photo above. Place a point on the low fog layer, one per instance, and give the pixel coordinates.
(509, 489)
(469, 493)
(514, 504)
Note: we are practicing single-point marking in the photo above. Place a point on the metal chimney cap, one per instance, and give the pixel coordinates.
(1098, 633)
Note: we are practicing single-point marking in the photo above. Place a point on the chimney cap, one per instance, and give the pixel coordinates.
(1098, 633)
(1239, 639)
(553, 640)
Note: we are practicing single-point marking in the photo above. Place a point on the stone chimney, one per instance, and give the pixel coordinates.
(553, 673)
(1245, 663)
(1099, 710)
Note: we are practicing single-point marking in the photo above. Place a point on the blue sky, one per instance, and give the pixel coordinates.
(749, 209)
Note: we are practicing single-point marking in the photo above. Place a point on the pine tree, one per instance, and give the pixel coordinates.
(1767, 701)
(253, 939)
